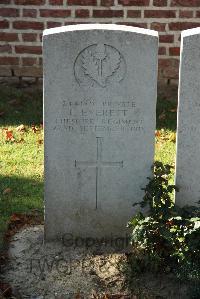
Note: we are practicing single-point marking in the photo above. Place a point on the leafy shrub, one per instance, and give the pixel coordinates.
(167, 236)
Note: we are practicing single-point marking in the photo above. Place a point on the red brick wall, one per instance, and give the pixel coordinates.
(22, 23)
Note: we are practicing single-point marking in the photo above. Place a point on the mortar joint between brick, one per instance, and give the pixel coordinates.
(142, 13)
(125, 13)
(167, 50)
(116, 3)
(90, 13)
(20, 61)
(20, 37)
(72, 13)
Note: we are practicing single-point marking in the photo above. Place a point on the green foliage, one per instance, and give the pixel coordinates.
(167, 235)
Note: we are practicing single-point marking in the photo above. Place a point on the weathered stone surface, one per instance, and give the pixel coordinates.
(99, 118)
(188, 139)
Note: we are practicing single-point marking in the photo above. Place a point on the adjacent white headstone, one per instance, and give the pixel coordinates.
(188, 131)
(99, 117)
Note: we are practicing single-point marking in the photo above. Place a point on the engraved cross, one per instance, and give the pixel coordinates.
(98, 164)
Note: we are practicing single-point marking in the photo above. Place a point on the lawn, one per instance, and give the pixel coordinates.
(21, 149)
(21, 153)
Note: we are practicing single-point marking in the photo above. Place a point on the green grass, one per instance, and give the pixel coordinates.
(21, 160)
(165, 142)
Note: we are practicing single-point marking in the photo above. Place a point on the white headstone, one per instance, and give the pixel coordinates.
(188, 131)
(100, 86)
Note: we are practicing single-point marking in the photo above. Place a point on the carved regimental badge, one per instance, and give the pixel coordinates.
(99, 65)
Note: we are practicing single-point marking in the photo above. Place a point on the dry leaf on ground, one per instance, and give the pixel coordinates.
(14, 102)
(7, 191)
(157, 133)
(40, 141)
(21, 128)
(173, 110)
(34, 129)
(162, 116)
(9, 135)
(172, 137)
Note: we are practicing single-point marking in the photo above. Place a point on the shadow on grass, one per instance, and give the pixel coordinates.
(20, 106)
(166, 114)
(24, 106)
(18, 195)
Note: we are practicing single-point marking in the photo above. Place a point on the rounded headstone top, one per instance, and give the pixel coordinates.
(111, 27)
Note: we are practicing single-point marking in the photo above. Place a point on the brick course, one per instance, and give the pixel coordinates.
(22, 23)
